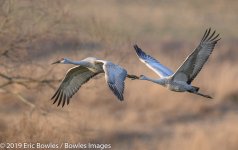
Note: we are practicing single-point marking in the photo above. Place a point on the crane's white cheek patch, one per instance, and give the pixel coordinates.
(181, 77)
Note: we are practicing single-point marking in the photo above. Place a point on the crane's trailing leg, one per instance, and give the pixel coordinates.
(207, 96)
(200, 94)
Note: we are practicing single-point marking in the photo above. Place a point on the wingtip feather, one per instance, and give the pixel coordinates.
(116, 92)
(139, 52)
(210, 37)
(135, 46)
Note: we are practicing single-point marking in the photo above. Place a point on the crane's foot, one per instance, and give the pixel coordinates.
(132, 77)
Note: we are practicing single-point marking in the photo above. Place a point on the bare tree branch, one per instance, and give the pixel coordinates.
(18, 95)
(21, 80)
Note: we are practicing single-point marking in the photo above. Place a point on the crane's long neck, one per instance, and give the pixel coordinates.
(81, 63)
(157, 81)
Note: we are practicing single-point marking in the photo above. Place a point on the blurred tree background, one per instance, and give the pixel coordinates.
(33, 34)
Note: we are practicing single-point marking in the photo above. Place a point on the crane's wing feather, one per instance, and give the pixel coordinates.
(73, 80)
(152, 63)
(195, 61)
(115, 77)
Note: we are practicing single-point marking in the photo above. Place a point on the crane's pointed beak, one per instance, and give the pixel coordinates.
(57, 62)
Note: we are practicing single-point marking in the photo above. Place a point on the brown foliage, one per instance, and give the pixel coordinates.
(35, 33)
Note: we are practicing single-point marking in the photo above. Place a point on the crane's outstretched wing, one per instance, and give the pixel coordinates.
(115, 77)
(152, 63)
(195, 61)
(73, 80)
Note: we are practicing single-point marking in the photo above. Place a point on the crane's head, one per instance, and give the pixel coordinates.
(61, 61)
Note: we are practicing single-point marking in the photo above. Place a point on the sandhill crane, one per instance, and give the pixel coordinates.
(87, 68)
(180, 81)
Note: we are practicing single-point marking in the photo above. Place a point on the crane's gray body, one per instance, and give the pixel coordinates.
(180, 81)
(85, 69)
(167, 82)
